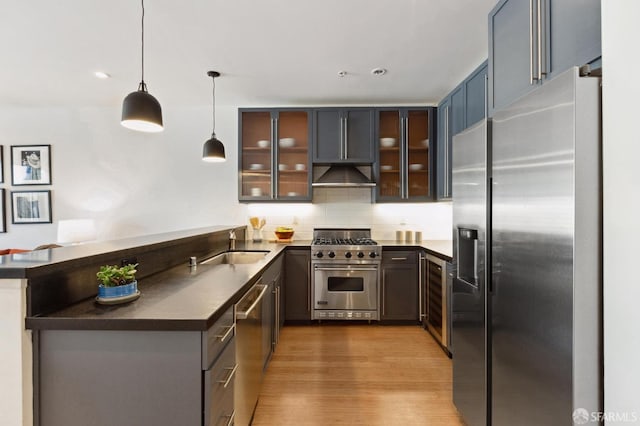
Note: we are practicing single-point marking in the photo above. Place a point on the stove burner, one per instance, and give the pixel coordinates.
(324, 241)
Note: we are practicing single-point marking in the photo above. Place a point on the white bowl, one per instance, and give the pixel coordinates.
(425, 143)
(282, 167)
(301, 166)
(256, 192)
(256, 166)
(385, 167)
(287, 142)
(387, 142)
(292, 194)
(262, 143)
(416, 166)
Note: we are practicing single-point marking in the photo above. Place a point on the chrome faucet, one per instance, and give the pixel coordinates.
(232, 240)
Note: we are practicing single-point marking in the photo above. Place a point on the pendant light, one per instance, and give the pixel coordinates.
(140, 110)
(213, 150)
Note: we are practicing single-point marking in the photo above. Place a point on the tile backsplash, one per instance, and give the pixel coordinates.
(353, 207)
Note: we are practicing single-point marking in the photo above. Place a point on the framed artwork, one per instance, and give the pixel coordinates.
(30, 165)
(30, 207)
(3, 220)
(1, 164)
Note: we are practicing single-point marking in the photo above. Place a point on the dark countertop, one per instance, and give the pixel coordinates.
(182, 299)
(441, 248)
(175, 299)
(21, 265)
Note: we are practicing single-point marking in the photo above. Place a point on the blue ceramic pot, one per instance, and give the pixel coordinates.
(118, 291)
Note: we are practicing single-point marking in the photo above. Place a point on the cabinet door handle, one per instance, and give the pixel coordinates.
(346, 137)
(225, 335)
(405, 162)
(420, 284)
(398, 258)
(384, 308)
(231, 418)
(531, 77)
(541, 70)
(232, 372)
(447, 166)
(275, 160)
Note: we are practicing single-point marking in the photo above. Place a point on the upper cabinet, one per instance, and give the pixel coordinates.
(405, 163)
(343, 135)
(534, 40)
(460, 109)
(275, 156)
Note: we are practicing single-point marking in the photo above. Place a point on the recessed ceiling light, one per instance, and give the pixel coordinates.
(378, 71)
(101, 75)
(342, 73)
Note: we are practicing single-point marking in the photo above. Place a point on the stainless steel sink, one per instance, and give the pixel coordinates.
(236, 258)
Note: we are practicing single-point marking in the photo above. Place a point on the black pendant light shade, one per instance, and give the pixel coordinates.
(140, 110)
(213, 150)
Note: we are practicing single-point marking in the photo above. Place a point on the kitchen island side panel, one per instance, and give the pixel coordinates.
(124, 378)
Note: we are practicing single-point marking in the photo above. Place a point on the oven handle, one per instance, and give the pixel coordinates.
(348, 268)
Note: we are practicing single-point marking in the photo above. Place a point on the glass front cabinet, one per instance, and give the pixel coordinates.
(405, 159)
(275, 156)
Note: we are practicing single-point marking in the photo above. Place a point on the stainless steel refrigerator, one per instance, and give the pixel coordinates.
(536, 334)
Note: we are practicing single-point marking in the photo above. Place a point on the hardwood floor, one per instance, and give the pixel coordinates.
(344, 374)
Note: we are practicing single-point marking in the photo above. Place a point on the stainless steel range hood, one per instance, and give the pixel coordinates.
(343, 175)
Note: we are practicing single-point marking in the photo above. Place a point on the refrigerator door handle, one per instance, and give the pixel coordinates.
(531, 37)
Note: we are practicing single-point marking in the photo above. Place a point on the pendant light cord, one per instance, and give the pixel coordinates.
(143, 86)
(213, 133)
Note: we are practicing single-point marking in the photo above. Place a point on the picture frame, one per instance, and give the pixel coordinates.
(30, 165)
(29, 207)
(3, 218)
(1, 163)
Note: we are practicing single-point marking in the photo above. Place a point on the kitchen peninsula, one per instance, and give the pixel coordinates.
(55, 289)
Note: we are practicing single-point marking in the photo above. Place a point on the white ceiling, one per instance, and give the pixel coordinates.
(270, 52)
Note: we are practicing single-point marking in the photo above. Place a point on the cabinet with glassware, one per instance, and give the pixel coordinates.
(274, 160)
(405, 161)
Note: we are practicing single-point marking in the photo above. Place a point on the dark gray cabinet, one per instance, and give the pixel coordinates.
(457, 110)
(475, 95)
(405, 165)
(533, 40)
(343, 135)
(399, 287)
(273, 309)
(460, 109)
(162, 378)
(443, 163)
(297, 284)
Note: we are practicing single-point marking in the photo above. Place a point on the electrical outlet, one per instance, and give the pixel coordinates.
(129, 261)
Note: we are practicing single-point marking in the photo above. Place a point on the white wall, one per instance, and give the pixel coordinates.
(134, 183)
(131, 183)
(621, 154)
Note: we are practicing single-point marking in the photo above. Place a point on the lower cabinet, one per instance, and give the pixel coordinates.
(135, 377)
(272, 308)
(399, 291)
(297, 284)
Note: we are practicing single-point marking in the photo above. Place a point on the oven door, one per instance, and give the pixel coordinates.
(345, 287)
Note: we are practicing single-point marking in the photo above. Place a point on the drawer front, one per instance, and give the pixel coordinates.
(392, 256)
(219, 386)
(216, 337)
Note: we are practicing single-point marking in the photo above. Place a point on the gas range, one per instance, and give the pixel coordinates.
(345, 245)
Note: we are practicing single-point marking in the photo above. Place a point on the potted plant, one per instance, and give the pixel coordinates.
(117, 282)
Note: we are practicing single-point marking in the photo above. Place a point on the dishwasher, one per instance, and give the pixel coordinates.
(249, 348)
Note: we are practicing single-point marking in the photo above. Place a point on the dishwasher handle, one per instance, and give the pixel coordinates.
(244, 314)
